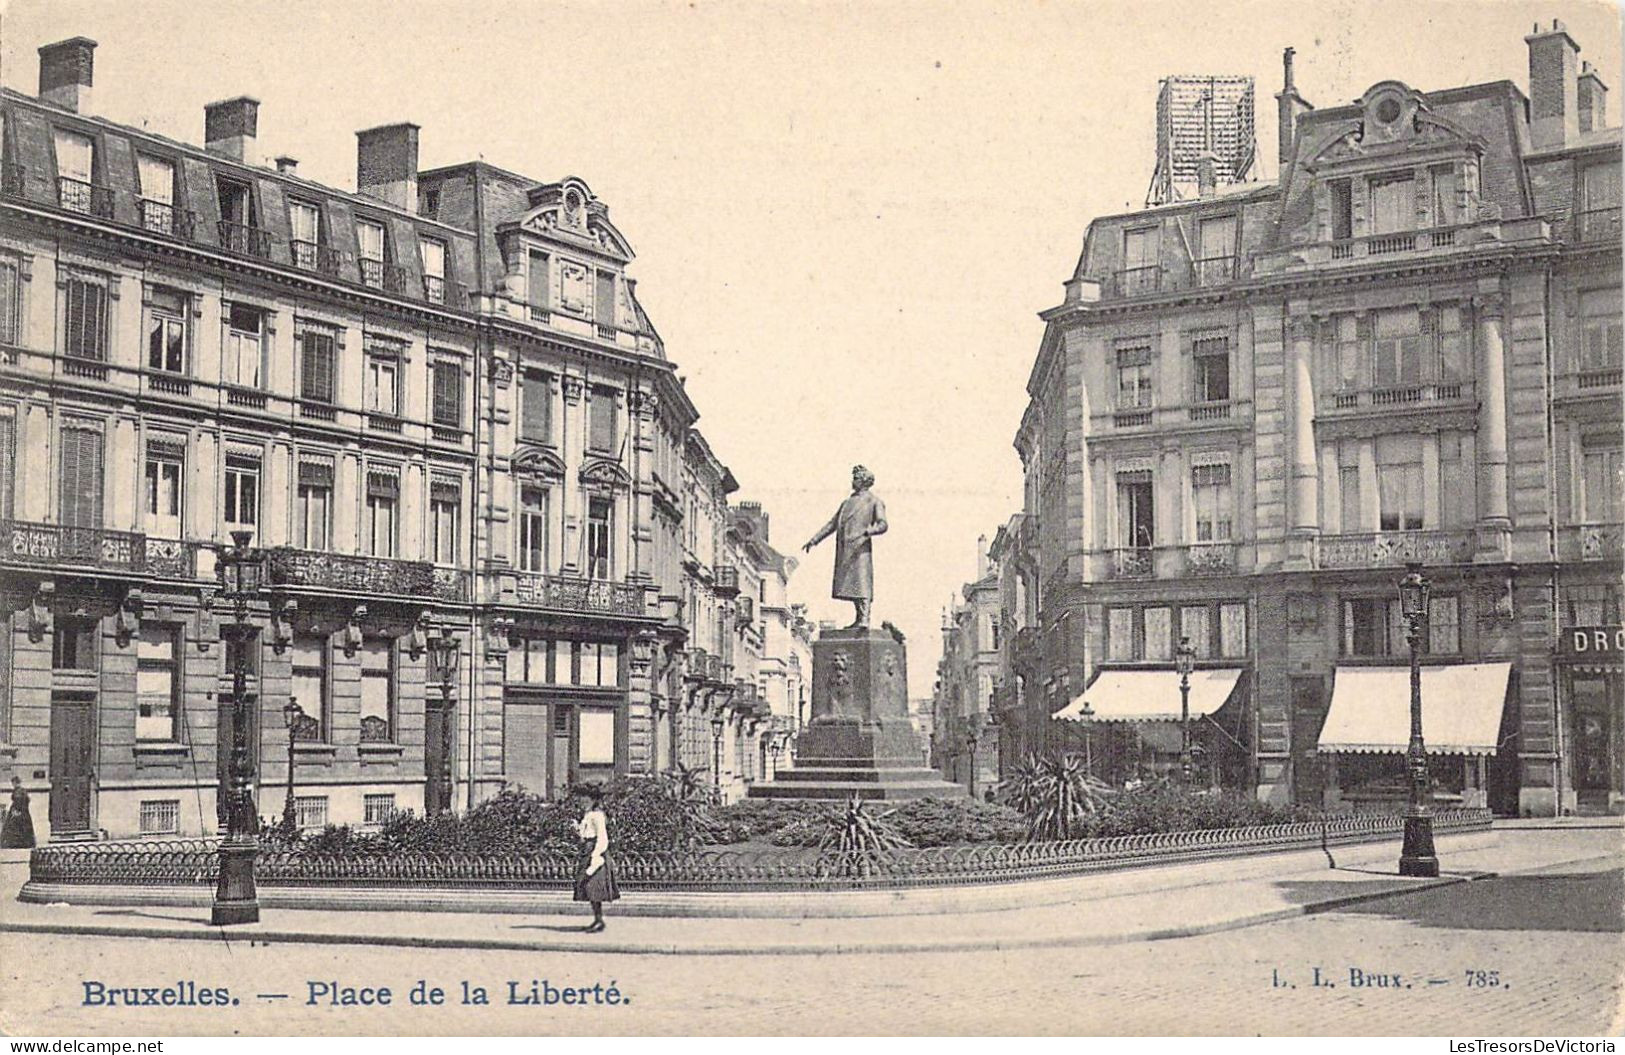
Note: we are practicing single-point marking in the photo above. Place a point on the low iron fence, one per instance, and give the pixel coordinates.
(184, 862)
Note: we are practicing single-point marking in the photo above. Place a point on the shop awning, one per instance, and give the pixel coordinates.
(1150, 695)
(1461, 709)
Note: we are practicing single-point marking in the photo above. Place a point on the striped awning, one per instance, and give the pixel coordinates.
(1149, 695)
(1461, 709)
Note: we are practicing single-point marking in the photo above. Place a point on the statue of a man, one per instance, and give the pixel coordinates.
(861, 517)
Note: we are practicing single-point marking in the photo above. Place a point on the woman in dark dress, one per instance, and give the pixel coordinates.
(18, 830)
(595, 878)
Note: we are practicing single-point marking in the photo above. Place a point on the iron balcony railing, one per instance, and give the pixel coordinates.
(439, 290)
(1133, 562)
(1591, 542)
(245, 239)
(161, 217)
(1385, 549)
(727, 580)
(348, 573)
(1134, 281)
(58, 545)
(1215, 270)
(195, 862)
(1210, 558)
(76, 195)
(390, 278)
(313, 256)
(570, 593)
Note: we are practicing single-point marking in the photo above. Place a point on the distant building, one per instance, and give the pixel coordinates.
(966, 737)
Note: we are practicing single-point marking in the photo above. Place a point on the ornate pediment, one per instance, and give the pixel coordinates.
(1393, 119)
(605, 475)
(538, 463)
(567, 211)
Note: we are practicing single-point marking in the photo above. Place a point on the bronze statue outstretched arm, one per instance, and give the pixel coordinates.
(821, 534)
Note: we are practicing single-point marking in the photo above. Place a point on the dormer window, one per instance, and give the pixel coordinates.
(157, 193)
(1446, 208)
(305, 221)
(370, 241)
(1393, 203)
(75, 180)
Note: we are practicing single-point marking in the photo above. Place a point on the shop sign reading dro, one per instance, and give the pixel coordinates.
(1594, 640)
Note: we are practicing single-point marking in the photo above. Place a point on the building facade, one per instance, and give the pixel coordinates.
(438, 407)
(1256, 406)
(966, 732)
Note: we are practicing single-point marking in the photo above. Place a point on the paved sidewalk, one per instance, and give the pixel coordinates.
(1200, 907)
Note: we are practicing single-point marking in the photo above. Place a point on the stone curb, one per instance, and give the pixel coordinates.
(269, 936)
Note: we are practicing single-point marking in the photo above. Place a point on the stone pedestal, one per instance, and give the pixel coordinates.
(859, 740)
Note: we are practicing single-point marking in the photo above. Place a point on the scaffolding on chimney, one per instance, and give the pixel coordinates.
(1198, 115)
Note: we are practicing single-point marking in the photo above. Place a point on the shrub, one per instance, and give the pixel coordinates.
(856, 843)
(949, 822)
(1057, 795)
(1166, 806)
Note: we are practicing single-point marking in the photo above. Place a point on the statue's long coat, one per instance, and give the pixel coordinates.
(859, 514)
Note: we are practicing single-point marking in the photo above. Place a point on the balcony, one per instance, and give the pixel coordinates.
(1585, 542)
(1217, 410)
(161, 218)
(439, 290)
(708, 667)
(1393, 549)
(76, 195)
(1133, 562)
(1210, 558)
(1403, 244)
(55, 545)
(365, 575)
(1399, 396)
(244, 239)
(727, 581)
(1595, 225)
(571, 594)
(1215, 270)
(1136, 281)
(312, 256)
(1133, 417)
(388, 277)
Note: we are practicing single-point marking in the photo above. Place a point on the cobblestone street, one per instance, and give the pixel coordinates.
(1551, 938)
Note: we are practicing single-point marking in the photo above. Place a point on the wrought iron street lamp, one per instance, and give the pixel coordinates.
(241, 572)
(1416, 855)
(971, 735)
(1185, 662)
(1086, 715)
(291, 713)
(717, 723)
(444, 649)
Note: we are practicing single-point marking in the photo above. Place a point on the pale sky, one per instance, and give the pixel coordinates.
(846, 215)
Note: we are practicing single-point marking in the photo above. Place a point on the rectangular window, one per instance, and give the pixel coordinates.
(1213, 502)
(383, 382)
(600, 515)
(383, 506)
(532, 554)
(1210, 359)
(242, 507)
(445, 502)
(536, 407)
(244, 350)
(377, 691)
(75, 163)
(537, 280)
(1372, 627)
(1193, 624)
(370, 240)
(157, 179)
(1348, 487)
(11, 307)
(73, 643)
(1593, 605)
(318, 366)
(1455, 344)
(85, 304)
(8, 490)
(1353, 369)
(1458, 488)
(306, 225)
(1120, 634)
(1134, 378)
(1599, 186)
(1140, 248)
(1445, 212)
(1399, 483)
(157, 683)
(1601, 481)
(1601, 343)
(1216, 242)
(308, 689)
(447, 381)
(1232, 630)
(315, 513)
(604, 300)
(80, 477)
(1159, 633)
(1393, 205)
(1342, 202)
(597, 664)
(597, 737)
(160, 816)
(166, 331)
(165, 494)
(602, 429)
(310, 811)
(1444, 626)
(433, 251)
(1136, 522)
(236, 208)
(1398, 348)
(377, 809)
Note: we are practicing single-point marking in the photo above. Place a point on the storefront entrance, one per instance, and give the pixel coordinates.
(1594, 720)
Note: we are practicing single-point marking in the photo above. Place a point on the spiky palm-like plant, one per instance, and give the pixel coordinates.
(1057, 794)
(858, 843)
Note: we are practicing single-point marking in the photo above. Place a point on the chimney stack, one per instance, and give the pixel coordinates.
(1592, 96)
(230, 128)
(981, 556)
(65, 73)
(1207, 174)
(287, 165)
(1288, 105)
(1554, 105)
(386, 164)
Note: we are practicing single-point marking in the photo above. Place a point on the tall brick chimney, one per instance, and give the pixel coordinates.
(1554, 105)
(231, 128)
(65, 73)
(1288, 105)
(386, 164)
(1592, 95)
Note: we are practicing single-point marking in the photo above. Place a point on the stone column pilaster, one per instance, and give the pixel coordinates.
(1305, 504)
(1494, 521)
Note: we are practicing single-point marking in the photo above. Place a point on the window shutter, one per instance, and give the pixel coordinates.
(8, 301)
(448, 393)
(81, 472)
(603, 420)
(316, 367)
(8, 464)
(535, 398)
(605, 312)
(538, 280)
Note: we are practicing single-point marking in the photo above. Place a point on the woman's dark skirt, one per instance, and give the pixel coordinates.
(600, 886)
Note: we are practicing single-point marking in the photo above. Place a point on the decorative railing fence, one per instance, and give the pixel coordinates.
(194, 862)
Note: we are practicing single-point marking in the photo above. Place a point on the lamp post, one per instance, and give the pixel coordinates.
(1416, 855)
(444, 649)
(1185, 662)
(971, 732)
(291, 713)
(717, 723)
(235, 900)
(1087, 717)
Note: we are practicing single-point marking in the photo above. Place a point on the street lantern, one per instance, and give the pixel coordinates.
(291, 713)
(717, 724)
(1184, 663)
(443, 653)
(1086, 715)
(972, 731)
(241, 571)
(1416, 855)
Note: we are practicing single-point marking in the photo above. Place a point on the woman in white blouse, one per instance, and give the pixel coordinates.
(595, 879)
